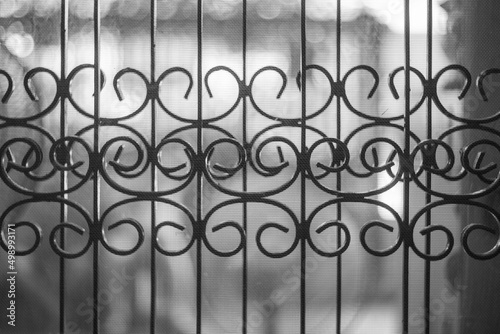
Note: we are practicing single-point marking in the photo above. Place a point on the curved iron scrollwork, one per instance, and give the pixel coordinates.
(267, 156)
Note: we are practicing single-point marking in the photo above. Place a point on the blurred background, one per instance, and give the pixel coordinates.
(372, 34)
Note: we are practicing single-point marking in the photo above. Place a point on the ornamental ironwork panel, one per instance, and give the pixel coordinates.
(237, 194)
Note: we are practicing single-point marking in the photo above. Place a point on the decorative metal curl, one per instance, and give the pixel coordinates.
(281, 228)
(69, 80)
(255, 155)
(61, 158)
(465, 242)
(10, 86)
(282, 89)
(180, 227)
(142, 163)
(428, 148)
(224, 172)
(428, 230)
(267, 170)
(365, 228)
(478, 161)
(449, 245)
(151, 89)
(62, 90)
(37, 231)
(170, 171)
(394, 91)
(393, 88)
(363, 127)
(404, 164)
(339, 159)
(156, 90)
(98, 163)
(465, 72)
(430, 90)
(480, 81)
(332, 223)
(300, 231)
(140, 234)
(163, 251)
(335, 89)
(23, 167)
(370, 70)
(341, 89)
(60, 154)
(480, 85)
(373, 224)
(242, 91)
(60, 251)
(123, 170)
(469, 229)
(94, 234)
(302, 164)
(477, 169)
(376, 167)
(218, 227)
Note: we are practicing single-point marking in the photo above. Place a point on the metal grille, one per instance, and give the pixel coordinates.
(280, 189)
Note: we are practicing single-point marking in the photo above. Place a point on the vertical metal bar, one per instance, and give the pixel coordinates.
(406, 175)
(199, 175)
(303, 150)
(63, 181)
(96, 185)
(154, 182)
(428, 175)
(245, 179)
(339, 177)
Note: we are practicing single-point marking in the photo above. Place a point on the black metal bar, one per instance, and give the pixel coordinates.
(339, 175)
(96, 183)
(303, 151)
(154, 171)
(199, 173)
(428, 176)
(406, 174)
(245, 176)
(63, 181)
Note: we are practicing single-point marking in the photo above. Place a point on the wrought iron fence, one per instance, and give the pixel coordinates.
(245, 219)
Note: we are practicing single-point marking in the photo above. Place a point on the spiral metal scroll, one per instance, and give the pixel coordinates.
(130, 156)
